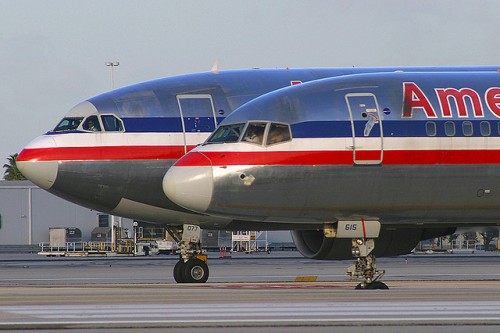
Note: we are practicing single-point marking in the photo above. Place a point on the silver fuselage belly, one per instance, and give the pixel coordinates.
(390, 193)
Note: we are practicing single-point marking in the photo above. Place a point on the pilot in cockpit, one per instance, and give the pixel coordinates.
(278, 133)
(91, 126)
(254, 134)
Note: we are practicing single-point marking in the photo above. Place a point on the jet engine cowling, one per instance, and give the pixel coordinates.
(391, 242)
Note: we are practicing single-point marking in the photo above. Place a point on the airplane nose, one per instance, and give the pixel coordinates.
(189, 183)
(35, 164)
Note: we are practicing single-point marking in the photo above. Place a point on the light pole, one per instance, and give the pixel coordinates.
(112, 64)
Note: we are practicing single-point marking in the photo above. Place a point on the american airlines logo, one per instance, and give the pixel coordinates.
(466, 101)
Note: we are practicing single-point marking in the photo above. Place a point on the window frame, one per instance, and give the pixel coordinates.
(81, 119)
(98, 123)
(467, 123)
(481, 128)
(255, 124)
(453, 127)
(232, 126)
(101, 116)
(269, 133)
(434, 128)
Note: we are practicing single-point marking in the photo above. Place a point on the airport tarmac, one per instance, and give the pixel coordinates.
(249, 293)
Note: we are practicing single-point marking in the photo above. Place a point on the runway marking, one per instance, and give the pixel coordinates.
(434, 311)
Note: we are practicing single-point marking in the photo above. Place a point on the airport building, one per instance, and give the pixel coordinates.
(28, 213)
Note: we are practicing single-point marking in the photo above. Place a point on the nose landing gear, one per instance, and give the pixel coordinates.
(194, 270)
(192, 265)
(365, 265)
(363, 234)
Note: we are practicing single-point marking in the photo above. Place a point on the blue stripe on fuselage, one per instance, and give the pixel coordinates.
(317, 129)
(392, 128)
(168, 124)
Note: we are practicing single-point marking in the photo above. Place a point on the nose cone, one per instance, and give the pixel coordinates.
(189, 183)
(35, 164)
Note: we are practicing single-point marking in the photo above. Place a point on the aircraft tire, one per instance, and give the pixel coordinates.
(195, 271)
(377, 285)
(178, 271)
(372, 286)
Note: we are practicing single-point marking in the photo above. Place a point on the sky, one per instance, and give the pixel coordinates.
(53, 52)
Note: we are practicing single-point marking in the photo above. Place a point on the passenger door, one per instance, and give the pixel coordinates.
(367, 131)
(197, 116)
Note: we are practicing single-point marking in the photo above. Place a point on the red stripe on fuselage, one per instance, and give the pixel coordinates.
(104, 153)
(417, 157)
(255, 158)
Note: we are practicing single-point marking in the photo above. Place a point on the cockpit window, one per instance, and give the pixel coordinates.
(227, 133)
(278, 133)
(92, 124)
(68, 124)
(111, 123)
(255, 133)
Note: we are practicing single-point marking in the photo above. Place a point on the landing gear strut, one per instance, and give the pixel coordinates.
(365, 265)
(363, 234)
(192, 265)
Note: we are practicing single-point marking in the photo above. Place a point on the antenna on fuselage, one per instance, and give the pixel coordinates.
(215, 67)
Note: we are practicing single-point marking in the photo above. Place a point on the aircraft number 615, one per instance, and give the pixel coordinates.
(349, 227)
